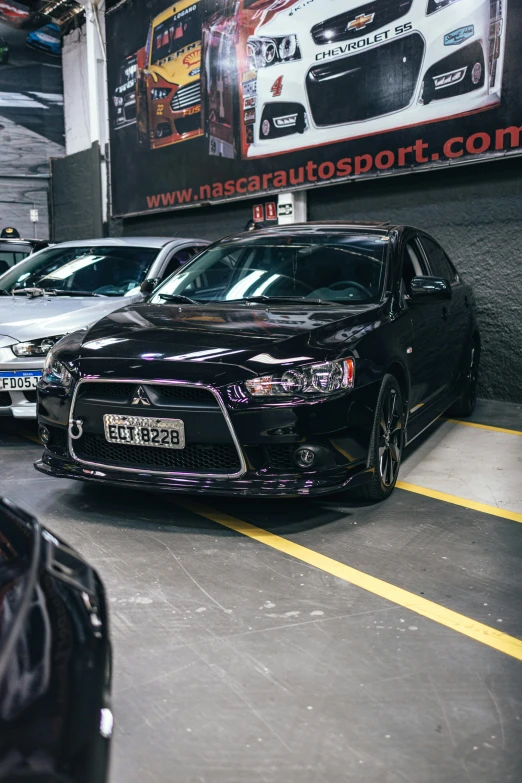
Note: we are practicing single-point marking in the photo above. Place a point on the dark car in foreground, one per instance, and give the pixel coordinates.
(55, 659)
(287, 361)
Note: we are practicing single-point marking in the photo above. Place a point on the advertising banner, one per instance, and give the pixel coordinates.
(214, 100)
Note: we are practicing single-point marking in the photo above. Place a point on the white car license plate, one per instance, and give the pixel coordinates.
(23, 379)
(142, 431)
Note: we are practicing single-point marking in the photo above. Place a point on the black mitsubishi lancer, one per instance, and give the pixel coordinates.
(286, 361)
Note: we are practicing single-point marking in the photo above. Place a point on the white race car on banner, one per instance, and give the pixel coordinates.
(330, 70)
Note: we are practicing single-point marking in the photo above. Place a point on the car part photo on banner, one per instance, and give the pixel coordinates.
(311, 73)
(169, 88)
(124, 96)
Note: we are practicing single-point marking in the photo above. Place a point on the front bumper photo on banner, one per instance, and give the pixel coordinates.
(241, 97)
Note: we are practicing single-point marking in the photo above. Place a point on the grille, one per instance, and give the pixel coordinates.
(122, 392)
(104, 390)
(279, 456)
(336, 29)
(30, 396)
(188, 124)
(58, 441)
(194, 458)
(186, 97)
(363, 86)
(182, 393)
(5, 399)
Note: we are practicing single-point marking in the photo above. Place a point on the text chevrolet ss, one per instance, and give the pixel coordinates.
(287, 361)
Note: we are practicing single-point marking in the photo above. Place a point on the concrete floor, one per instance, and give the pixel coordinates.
(236, 663)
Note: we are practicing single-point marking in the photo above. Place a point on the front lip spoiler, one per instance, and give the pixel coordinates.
(288, 485)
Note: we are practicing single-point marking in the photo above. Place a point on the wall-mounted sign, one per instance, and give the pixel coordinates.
(233, 99)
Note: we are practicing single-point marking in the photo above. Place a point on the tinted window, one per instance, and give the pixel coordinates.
(179, 258)
(335, 267)
(412, 264)
(439, 264)
(9, 258)
(108, 271)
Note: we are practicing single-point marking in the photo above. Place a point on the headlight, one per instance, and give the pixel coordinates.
(437, 5)
(159, 93)
(318, 379)
(118, 101)
(55, 372)
(264, 52)
(35, 347)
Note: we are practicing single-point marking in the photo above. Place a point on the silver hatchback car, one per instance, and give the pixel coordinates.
(67, 287)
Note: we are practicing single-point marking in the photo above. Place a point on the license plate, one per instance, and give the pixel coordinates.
(141, 431)
(24, 379)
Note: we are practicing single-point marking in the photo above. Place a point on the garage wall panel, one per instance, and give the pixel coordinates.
(76, 196)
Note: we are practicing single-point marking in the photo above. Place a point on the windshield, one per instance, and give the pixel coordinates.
(176, 33)
(107, 271)
(336, 267)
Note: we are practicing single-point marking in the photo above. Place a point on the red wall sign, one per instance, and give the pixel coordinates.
(259, 213)
(271, 211)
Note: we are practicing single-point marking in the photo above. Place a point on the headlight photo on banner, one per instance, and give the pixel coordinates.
(213, 100)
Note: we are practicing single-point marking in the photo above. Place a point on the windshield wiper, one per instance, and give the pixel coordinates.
(283, 299)
(60, 292)
(177, 298)
(35, 292)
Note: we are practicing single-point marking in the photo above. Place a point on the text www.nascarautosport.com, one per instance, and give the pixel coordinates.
(417, 154)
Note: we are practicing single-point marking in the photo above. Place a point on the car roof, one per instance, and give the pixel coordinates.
(380, 228)
(151, 242)
(12, 241)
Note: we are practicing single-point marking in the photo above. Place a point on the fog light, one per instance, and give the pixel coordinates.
(44, 434)
(304, 457)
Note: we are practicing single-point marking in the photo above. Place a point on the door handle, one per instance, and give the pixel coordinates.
(445, 313)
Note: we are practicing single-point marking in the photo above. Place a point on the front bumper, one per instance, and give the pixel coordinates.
(229, 448)
(251, 484)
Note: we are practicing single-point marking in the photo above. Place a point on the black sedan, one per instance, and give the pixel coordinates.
(286, 361)
(55, 663)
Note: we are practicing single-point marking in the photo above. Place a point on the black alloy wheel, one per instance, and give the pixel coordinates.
(387, 442)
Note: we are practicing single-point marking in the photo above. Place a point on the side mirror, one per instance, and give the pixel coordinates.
(148, 286)
(429, 288)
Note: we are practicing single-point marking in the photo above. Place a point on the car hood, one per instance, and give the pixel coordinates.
(207, 334)
(23, 319)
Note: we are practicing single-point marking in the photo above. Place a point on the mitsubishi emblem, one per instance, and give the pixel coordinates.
(360, 22)
(140, 398)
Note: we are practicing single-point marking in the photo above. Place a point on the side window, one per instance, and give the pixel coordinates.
(440, 265)
(412, 264)
(179, 259)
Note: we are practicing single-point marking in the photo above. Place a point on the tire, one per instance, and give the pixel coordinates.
(387, 442)
(466, 403)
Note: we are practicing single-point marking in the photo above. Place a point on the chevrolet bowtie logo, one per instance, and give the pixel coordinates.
(140, 398)
(360, 22)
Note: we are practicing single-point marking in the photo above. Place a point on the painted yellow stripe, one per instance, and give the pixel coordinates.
(484, 427)
(485, 508)
(28, 436)
(491, 637)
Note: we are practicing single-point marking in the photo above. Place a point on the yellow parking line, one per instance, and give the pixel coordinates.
(491, 637)
(485, 508)
(483, 427)
(28, 436)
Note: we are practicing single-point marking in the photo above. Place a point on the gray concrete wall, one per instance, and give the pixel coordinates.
(76, 196)
(474, 211)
